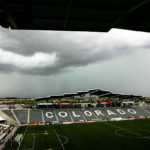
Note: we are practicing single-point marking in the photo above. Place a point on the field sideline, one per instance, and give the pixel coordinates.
(122, 135)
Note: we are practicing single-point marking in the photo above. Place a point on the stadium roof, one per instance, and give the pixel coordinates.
(75, 15)
(100, 92)
(96, 92)
(112, 95)
(121, 96)
(92, 90)
(70, 94)
(82, 92)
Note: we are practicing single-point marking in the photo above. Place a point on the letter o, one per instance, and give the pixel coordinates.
(88, 113)
(64, 114)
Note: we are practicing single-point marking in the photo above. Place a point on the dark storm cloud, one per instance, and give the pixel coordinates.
(51, 52)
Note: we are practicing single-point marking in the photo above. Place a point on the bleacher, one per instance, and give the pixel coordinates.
(99, 113)
(49, 115)
(144, 112)
(77, 115)
(21, 115)
(122, 112)
(88, 115)
(147, 109)
(132, 112)
(63, 115)
(35, 116)
(109, 112)
(9, 114)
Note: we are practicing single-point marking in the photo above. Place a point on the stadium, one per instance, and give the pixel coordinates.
(82, 120)
(55, 124)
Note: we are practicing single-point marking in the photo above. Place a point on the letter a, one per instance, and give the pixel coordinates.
(110, 112)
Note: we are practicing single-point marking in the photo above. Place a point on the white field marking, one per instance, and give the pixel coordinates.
(22, 137)
(65, 138)
(33, 143)
(128, 131)
(136, 137)
(59, 140)
(32, 148)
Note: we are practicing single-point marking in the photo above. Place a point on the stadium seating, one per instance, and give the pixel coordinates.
(100, 114)
(77, 115)
(143, 111)
(122, 112)
(49, 115)
(21, 115)
(147, 108)
(36, 116)
(9, 114)
(109, 112)
(88, 115)
(63, 115)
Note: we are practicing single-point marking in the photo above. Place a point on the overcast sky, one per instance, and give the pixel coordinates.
(42, 63)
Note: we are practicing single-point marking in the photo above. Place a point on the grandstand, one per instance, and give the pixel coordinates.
(25, 135)
(21, 115)
(106, 106)
(44, 116)
(82, 107)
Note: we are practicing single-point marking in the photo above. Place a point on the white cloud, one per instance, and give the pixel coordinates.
(131, 38)
(37, 60)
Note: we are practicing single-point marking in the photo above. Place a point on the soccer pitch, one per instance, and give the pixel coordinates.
(122, 135)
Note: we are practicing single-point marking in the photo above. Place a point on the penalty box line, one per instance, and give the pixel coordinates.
(128, 131)
(32, 148)
(59, 140)
(22, 138)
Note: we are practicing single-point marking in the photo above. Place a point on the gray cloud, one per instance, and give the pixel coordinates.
(41, 63)
(72, 49)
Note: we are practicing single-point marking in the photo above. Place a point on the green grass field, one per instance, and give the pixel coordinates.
(123, 135)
